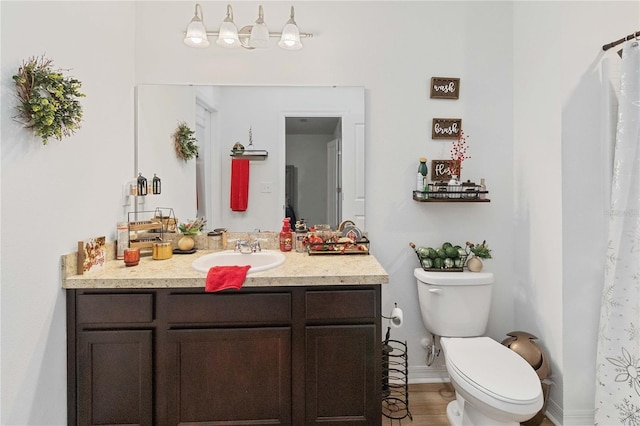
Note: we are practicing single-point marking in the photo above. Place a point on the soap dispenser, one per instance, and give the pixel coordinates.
(286, 236)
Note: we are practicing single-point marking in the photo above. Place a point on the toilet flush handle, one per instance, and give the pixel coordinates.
(435, 290)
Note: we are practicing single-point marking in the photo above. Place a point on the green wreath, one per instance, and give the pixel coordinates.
(185, 142)
(48, 101)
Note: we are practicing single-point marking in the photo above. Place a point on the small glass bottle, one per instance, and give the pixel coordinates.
(300, 236)
(324, 231)
(122, 234)
(454, 187)
(483, 189)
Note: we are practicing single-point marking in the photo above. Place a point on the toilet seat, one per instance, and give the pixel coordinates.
(493, 370)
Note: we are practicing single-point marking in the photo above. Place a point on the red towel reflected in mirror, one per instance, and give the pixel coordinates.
(239, 184)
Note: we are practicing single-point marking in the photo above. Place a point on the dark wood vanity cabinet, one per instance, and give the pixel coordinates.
(263, 355)
(115, 377)
(110, 345)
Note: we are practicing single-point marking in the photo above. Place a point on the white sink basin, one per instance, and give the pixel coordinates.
(261, 261)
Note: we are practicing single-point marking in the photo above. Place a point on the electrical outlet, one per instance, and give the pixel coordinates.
(266, 187)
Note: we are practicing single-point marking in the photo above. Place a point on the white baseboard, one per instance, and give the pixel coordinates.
(424, 374)
(561, 417)
(577, 417)
(554, 413)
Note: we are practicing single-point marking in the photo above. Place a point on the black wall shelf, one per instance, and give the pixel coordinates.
(251, 154)
(451, 197)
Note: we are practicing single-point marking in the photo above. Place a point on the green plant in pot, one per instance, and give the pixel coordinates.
(48, 101)
(185, 142)
(480, 251)
(189, 229)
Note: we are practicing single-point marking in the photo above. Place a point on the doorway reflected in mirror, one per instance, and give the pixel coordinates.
(313, 175)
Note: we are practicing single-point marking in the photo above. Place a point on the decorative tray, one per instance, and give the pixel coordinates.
(178, 251)
(361, 246)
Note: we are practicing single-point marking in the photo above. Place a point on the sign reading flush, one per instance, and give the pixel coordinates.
(441, 170)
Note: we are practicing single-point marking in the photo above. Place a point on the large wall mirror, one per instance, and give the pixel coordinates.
(314, 137)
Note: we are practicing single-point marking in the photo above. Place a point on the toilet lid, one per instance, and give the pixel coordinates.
(453, 278)
(493, 368)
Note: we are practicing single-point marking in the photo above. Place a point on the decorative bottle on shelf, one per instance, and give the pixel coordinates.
(421, 179)
(301, 235)
(454, 187)
(483, 189)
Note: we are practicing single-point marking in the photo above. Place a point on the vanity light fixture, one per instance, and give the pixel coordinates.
(259, 32)
(250, 36)
(290, 38)
(196, 32)
(228, 34)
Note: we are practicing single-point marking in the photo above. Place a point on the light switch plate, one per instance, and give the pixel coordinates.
(266, 187)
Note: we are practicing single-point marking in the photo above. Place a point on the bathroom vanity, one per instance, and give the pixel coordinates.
(297, 344)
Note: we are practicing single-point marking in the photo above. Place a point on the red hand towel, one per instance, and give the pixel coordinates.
(239, 184)
(222, 277)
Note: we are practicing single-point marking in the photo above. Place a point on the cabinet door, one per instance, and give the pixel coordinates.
(341, 385)
(229, 376)
(115, 377)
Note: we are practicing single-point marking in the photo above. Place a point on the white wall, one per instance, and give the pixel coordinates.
(160, 109)
(521, 66)
(538, 180)
(557, 52)
(56, 194)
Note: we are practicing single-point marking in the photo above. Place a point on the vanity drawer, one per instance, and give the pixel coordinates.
(340, 304)
(114, 308)
(229, 309)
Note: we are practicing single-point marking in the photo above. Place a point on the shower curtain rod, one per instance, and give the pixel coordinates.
(622, 40)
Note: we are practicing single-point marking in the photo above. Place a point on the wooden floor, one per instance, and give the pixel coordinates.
(428, 405)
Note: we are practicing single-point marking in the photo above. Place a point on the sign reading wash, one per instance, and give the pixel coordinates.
(445, 88)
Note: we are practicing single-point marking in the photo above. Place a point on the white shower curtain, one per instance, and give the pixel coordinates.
(617, 399)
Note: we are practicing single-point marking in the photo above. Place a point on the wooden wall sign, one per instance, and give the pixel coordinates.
(441, 170)
(445, 88)
(446, 128)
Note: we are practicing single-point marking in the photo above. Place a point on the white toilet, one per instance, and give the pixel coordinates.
(494, 385)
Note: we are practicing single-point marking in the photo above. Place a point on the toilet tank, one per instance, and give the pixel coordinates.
(454, 304)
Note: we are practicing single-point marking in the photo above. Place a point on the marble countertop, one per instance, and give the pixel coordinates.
(299, 269)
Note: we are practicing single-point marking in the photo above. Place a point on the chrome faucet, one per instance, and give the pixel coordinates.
(255, 244)
(255, 247)
(242, 246)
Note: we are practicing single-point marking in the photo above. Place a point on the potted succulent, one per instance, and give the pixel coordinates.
(188, 230)
(480, 251)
